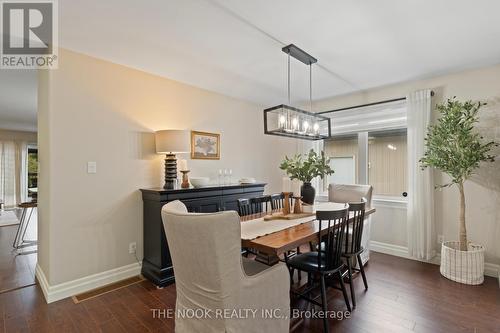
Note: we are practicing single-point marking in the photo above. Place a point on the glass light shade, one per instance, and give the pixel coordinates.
(288, 121)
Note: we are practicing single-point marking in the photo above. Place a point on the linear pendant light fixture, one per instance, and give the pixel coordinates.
(285, 120)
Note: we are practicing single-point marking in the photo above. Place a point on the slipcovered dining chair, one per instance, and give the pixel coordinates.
(210, 274)
(343, 193)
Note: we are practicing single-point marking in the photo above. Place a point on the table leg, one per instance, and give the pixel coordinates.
(268, 259)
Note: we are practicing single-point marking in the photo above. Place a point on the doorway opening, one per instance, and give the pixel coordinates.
(18, 179)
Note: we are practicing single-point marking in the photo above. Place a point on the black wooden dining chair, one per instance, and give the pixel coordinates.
(260, 204)
(277, 201)
(326, 261)
(244, 207)
(352, 248)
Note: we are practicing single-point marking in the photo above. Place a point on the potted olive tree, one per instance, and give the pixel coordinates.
(454, 147)
(314, 165)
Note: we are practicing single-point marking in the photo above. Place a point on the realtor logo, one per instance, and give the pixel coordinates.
(29, 34)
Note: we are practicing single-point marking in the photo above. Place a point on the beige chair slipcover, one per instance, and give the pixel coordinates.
(353, 193)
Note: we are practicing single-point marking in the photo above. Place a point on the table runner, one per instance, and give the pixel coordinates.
(252, 229)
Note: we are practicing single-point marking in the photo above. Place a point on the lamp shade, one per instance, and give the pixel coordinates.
(172, 141)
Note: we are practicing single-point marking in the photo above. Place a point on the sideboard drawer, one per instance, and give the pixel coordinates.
(205, 205)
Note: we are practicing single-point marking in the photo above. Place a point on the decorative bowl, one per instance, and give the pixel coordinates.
(247, 180)
(199, 181)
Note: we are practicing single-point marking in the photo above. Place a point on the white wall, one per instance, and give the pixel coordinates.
(482, 192)
(93, 110)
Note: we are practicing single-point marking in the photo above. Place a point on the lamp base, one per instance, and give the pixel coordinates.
(170, 172)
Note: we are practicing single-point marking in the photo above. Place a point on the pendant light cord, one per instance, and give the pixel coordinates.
(288, 78)
(310, 89)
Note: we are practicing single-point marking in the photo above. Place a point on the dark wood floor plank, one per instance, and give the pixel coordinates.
(16, 270)
(125, 317)
(403, 296)
(97, 311)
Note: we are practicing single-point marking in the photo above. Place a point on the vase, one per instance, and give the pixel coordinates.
(308, 193)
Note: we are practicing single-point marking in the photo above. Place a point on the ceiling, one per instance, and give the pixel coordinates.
(234, 46)
(18, 100)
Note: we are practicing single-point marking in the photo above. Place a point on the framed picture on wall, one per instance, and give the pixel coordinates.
(205, 146)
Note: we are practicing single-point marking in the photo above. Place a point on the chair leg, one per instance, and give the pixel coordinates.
(298, 272)
(324, 304)
(351, 284)
(362, 269)
(27, 225)
(21, 222)
(290, 269)
(344, 292)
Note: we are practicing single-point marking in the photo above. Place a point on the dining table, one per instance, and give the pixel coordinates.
(272, 238)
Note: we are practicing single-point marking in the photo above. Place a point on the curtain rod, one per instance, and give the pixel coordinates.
(368, 104)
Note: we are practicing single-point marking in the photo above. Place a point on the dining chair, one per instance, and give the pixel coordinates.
(353, 249)
(277, 201)
(244, 207)
(326, 261)
(353, 193)
(210, 274)
(261, 204)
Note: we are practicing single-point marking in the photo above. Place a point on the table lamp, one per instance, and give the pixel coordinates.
(171, 142)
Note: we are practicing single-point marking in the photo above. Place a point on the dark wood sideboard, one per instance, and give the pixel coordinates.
(157, 264)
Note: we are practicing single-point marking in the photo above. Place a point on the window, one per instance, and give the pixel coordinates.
(343, 152)
(387, 167)
(368, 146)
(32, 171)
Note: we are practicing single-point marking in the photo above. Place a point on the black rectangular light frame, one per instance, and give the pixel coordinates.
(280, 132)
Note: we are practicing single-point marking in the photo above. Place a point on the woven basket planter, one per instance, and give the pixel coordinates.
(465, 267)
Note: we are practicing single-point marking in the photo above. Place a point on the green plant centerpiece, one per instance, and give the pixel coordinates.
(454, 147)
(305, 168)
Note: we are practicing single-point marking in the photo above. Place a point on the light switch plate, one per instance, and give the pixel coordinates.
(91, 167)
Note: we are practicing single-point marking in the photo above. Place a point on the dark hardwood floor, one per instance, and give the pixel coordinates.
(403, 296)
(17, 270)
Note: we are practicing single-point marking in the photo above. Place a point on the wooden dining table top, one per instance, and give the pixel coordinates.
(287, 239)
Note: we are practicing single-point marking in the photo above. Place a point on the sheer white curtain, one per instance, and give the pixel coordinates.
(13, 172)
(420, 212)
(22, 171)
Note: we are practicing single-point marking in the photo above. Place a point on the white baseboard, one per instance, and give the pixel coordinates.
(386, 248)
(492, 270)
(66, 289)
